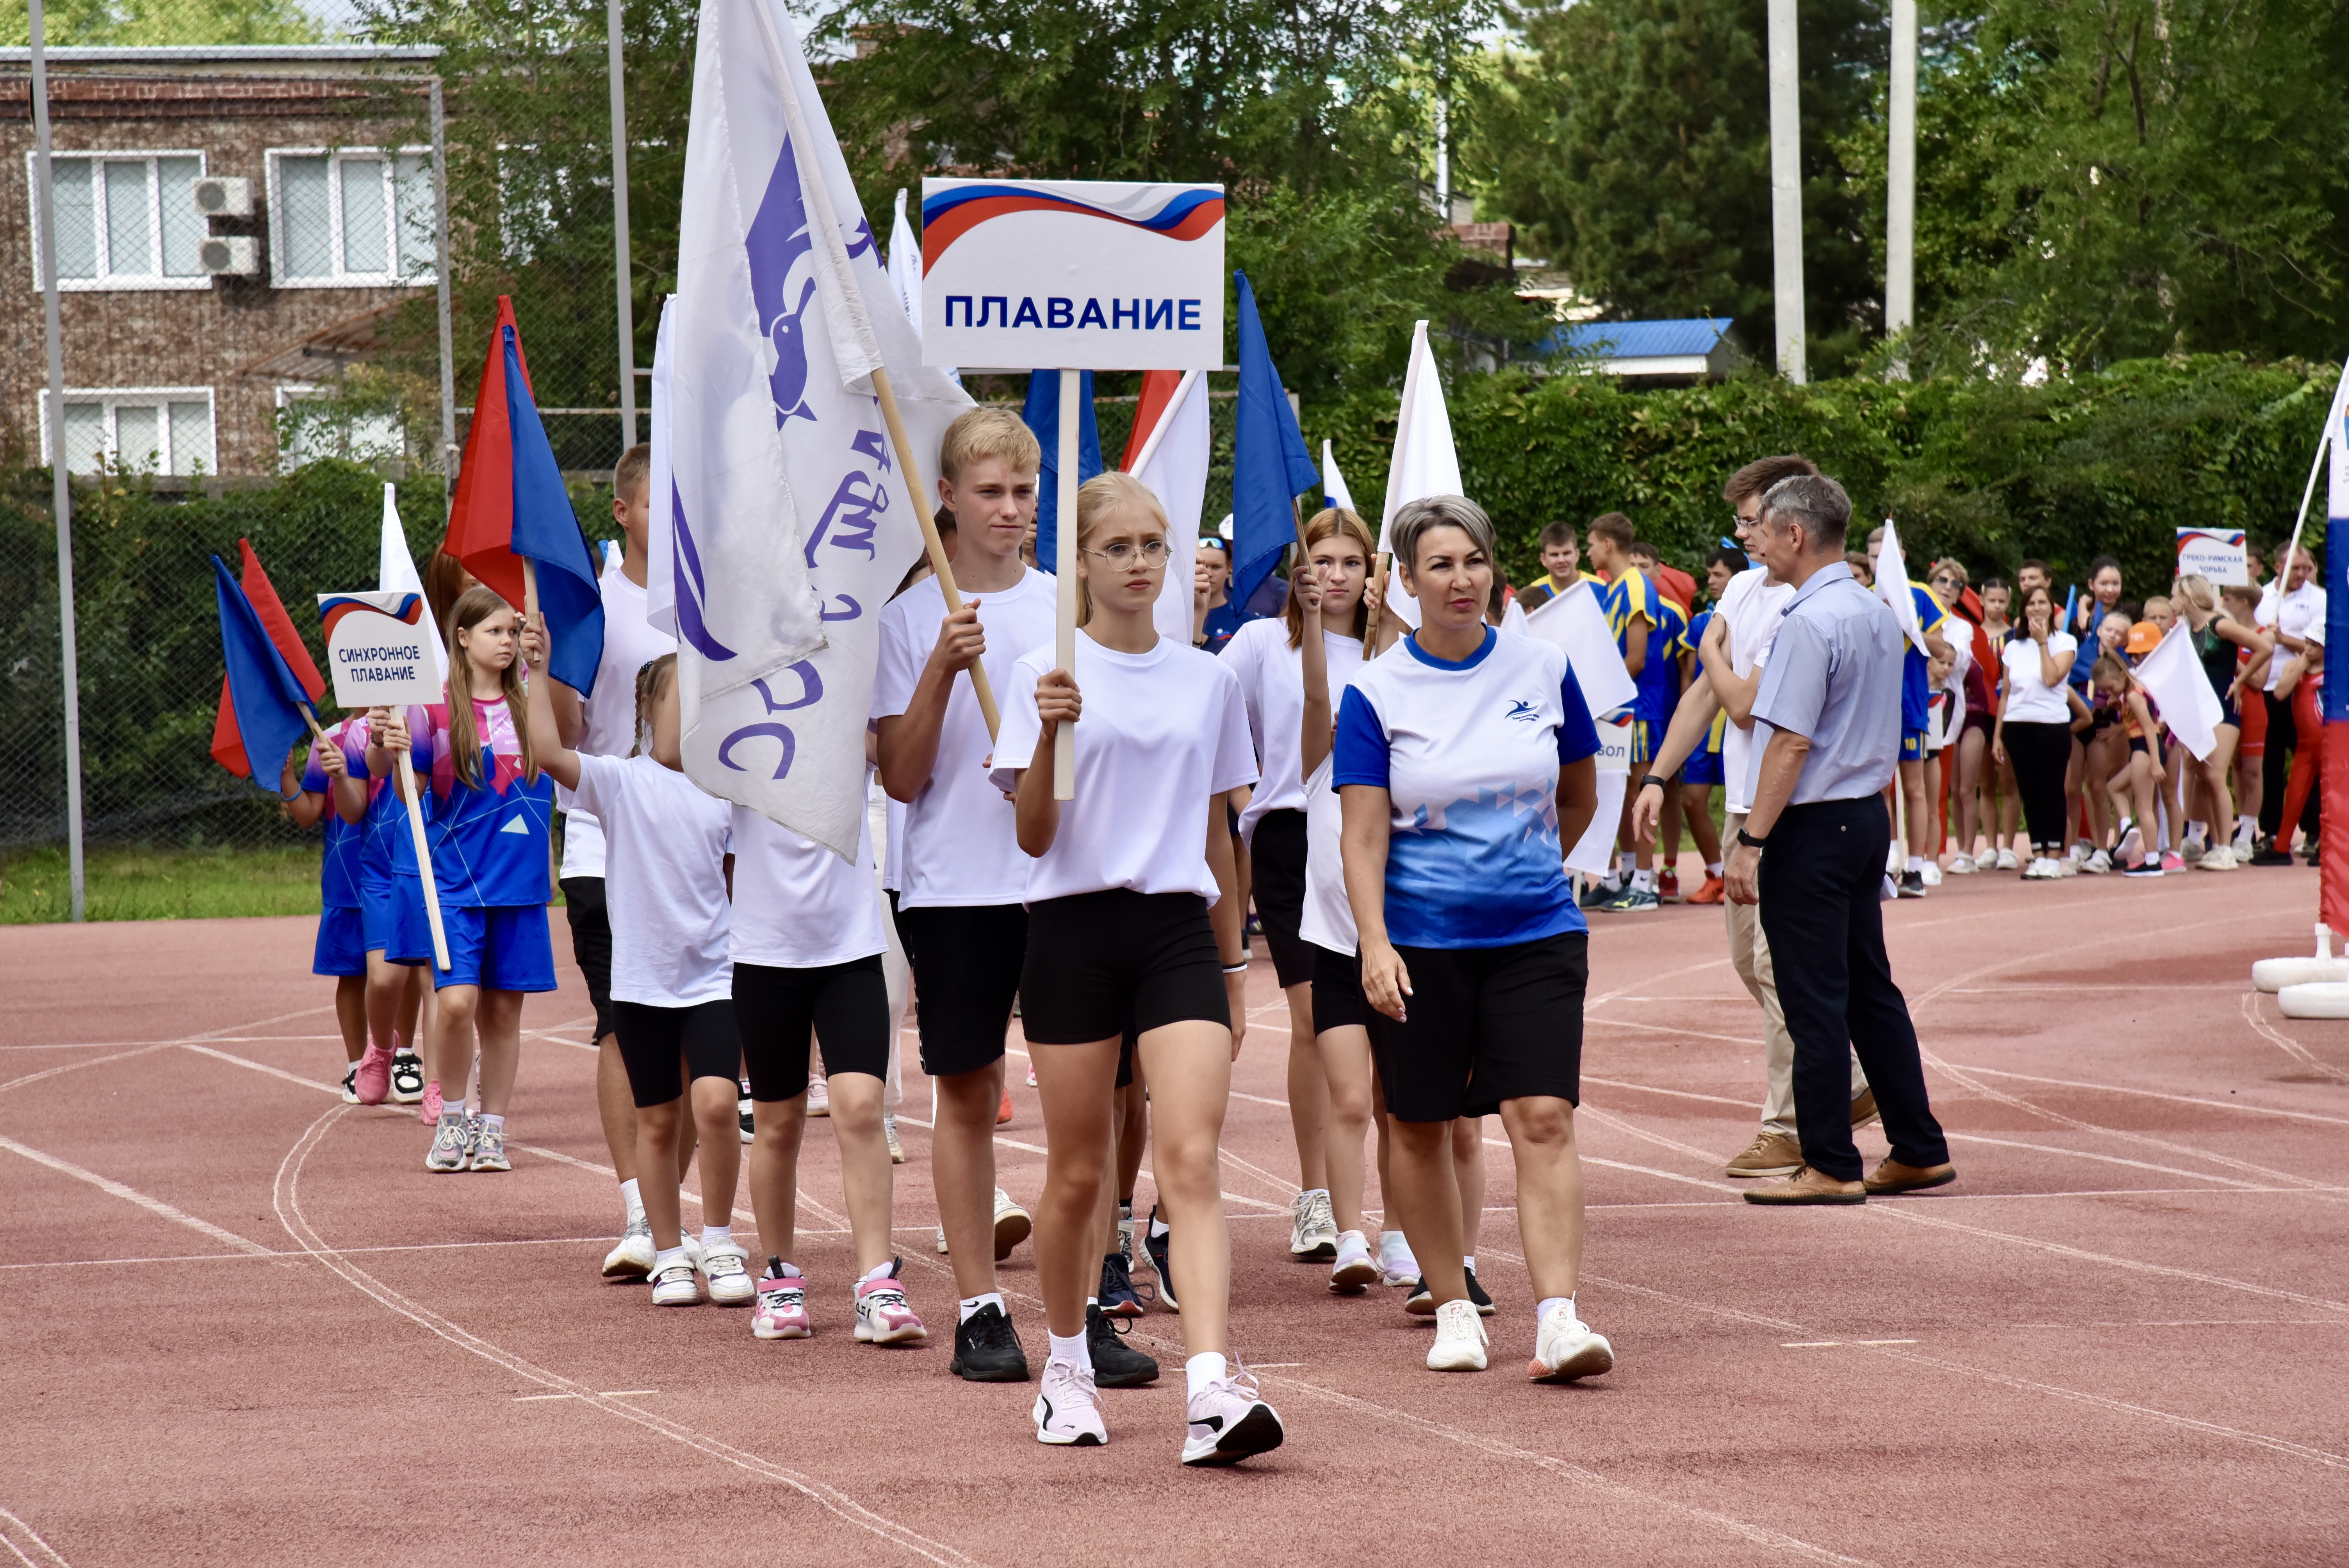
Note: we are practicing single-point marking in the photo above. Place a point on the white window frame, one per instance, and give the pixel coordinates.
(120, 282)
(157, 397)
(292, 393)
(335, 157)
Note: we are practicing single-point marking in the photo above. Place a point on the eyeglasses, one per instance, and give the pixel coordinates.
(1214, 543)
(1150, 557)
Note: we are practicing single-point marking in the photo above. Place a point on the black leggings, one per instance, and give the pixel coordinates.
(664, 1048)
(846, 1006)
(2041, 752)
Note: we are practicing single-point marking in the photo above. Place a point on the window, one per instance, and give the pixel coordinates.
(313, 422)
(124, 220)
(161, 429)
(361, 217)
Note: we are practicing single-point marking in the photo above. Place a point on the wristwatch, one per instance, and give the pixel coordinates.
(1648, 779)
(1749, 841)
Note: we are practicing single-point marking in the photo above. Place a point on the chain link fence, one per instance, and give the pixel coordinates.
(250, 224)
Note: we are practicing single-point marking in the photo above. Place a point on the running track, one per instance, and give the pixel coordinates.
(246, 1326)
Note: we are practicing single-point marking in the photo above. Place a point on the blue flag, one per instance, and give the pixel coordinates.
(1042, 415)
(1270, 467)
(546, 531)
(267, 698)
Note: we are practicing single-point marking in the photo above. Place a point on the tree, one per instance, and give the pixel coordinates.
(126, 23)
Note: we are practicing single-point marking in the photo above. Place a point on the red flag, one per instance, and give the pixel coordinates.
(2333, 830)
(481, 524)
(1157, 390)
(227, 744)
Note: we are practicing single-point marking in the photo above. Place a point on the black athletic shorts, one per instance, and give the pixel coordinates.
(591, 943)
(966, 959)
(1101, 963)
(665, 1049)
(1483, 1025)
(1338, 991)
(846, 1005)
(1277, 877)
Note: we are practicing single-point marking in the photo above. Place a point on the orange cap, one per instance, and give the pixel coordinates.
(2143, 638)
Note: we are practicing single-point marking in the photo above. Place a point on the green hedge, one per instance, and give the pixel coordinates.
(1988, 473)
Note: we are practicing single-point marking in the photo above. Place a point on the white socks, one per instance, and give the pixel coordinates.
(1158, 1227)
(1541, 1313)
(1393, 1249)
(1205, 1367)
(980, 1304)
(632, 1203)
(879, 1271)
(717, 1236)
(1073, 1350)
(1644, 881)
(668, 1255)
(1916, 863)
(1469, 1263)
(1713, 868)
(494, 1123)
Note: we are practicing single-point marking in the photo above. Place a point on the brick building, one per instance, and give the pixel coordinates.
(180, 353)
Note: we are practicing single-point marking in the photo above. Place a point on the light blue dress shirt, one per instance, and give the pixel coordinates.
(1834, 676)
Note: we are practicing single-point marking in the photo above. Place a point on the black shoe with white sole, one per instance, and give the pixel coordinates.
(1476, 1293)
(1154, 1241)
(986, 1348)
(1117, 1364)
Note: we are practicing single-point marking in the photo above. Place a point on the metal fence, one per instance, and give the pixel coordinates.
(277, 264)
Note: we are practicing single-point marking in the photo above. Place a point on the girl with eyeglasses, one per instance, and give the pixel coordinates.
(1134, 930)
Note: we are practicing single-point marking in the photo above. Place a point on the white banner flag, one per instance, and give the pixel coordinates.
(1174, 461)
(395, 572)
(2173, 676)
(1333, 483)
(792, 524)
(1424, 463)
(1892, 587)
(1574, 622)
(660, 543)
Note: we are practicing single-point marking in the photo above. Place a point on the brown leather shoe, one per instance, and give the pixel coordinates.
(1863, 1107)
(1770, 1154)
(1890, 1177)
(1809, 1186)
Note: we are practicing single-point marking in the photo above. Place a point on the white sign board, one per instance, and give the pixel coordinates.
(2217, 554)
(1077, 274)
(379, 647)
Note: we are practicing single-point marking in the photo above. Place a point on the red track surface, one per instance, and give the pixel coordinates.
(246, 1326)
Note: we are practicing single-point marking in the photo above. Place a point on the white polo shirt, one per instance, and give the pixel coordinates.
(1751, 606)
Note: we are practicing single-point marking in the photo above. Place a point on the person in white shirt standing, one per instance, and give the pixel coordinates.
(962, 877)
(2297, 605)
(1134, 931)
(1737, 647)
(606, 726)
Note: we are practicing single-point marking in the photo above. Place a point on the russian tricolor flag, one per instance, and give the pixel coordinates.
(228, 748)
(265, 701)
(512, 506)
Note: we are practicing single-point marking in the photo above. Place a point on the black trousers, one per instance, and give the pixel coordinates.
(2040, 752)
(2283, 737)
(1820, 881)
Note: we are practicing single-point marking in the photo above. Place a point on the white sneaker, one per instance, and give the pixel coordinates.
(1932, 873)
(725, 1270)
(819, 1096)
(942, 1239)
(1312, 1228)
(2080, 851)
(692, 1245)
(2101, 862)
(1896, 860)
(676, 1285)
(889, 1131)
(1011, 1227)
(1566, 1349)
(2006, 860)
(781, 1312)
(1459, 1338)
(1396, 1264)
(1354, 1270)
(632, 1258)
(2068, 866)
(2221, 859)
(1230, 1422)
(1963, 866)
(2041, 868)
(1068, 1408)
(884, 1316)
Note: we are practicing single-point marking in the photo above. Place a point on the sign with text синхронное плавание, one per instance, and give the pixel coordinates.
(1091, 274)
(379, 647)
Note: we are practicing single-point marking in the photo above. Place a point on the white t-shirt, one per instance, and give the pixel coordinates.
(2295, 613)
(1163, 732)
(797, 905)
(961, 840)
(1751, 606)
(892, 852)
(2029, 700)
(1272, 683)
(1328, 919)
(663, 846)
(629, 643)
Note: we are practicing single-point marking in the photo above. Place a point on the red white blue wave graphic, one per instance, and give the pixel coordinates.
(333, 607)
(948, 215)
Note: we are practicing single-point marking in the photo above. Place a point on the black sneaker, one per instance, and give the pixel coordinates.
(2267, 854)
(351, 1084)
(1118, 1297)
(1911, 885)
(1154, 1241)
(1476, 1293)
(1117, 1364)
(1421, 1302)
(407, 1078)
(986, 1348)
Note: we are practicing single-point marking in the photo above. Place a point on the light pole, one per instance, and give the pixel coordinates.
(1900, 186)
(1786, 191)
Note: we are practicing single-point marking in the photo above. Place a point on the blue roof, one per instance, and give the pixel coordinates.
(1642, 339)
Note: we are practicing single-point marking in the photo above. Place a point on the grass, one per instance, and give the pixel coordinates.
(161, 884)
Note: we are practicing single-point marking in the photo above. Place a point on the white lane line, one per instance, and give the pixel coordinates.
(2157, 1094)
(2253, 1015)
(904, 1120)
(286, 1198)
(75, 1066)
(49, 1555)
(615, 1394)
(155, 1206)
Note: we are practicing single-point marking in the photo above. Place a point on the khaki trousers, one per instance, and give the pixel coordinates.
(1749, 955)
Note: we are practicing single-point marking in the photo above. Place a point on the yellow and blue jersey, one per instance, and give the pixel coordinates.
(1630, 595)
(1916, 688)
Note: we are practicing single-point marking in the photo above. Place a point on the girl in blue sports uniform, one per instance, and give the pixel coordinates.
(329, 794)
(395, 992)
(492, 812)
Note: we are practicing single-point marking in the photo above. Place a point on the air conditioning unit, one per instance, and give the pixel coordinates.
(228, 256)
(224, 196)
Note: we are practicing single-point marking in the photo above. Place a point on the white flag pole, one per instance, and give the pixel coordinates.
(1064, 560)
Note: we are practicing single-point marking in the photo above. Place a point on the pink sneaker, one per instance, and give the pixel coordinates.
(373, 1084)
(882, 1316)
(781, 1312)
(428, 1111)
(2171, 860)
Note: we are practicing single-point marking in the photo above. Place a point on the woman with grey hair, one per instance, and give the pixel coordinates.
(1463, 762)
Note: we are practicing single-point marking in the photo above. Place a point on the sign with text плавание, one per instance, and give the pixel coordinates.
(379, 647)
(1094, 274)
(2216, 553)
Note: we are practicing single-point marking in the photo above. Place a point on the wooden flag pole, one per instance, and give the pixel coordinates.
(1064, 560)
(979, 684)
(529, 592)
(424, 863)
(1370, 628)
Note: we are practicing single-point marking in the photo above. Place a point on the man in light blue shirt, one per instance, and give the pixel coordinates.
(1815, 843)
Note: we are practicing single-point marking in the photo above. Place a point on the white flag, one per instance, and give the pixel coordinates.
(2173, 676)
(660, 545)
(1173, 462)
(1425, 461)
(792, 524)
(1333, 483)
(395, 572)
(1574, 622)
(1892, 587)
(906, 268)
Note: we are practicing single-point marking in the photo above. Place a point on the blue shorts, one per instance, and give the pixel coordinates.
(1912, 746)
(342, 943)
(1703, 768)
(377, 904)
(505, 948)
(1642, 749)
